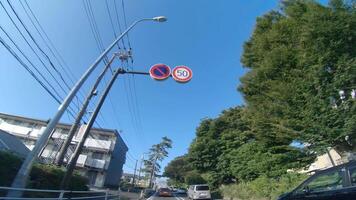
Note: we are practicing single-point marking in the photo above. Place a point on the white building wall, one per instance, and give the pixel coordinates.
(30, 132)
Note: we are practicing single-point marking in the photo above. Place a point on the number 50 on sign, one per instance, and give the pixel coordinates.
(182, 74)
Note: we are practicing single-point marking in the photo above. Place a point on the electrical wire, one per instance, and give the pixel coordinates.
(45, 38)
(27, 68)
(27, 42)
(56, 96)
(124, 14)
(112, 23)
(36, 43)
(96, 30)
(118, 21)
(48, 42)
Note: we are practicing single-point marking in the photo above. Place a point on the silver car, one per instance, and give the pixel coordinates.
(199, 192)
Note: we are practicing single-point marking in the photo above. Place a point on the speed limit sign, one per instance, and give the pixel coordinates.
(182, 74)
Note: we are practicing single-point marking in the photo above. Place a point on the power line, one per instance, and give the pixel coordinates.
(33, 50)
(28, 60)
(118, 21)
(57, 97)
(55, 53)
(28, 69)
(95, 29)
(27, 42)
(111, 22)
(35, 42)
(129, 105)
(24, 65)
(50, 44)
(135, 99)
(124, 13)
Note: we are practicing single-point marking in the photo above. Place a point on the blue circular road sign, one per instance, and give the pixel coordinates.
(160, 71)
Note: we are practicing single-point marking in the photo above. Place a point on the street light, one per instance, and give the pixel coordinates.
(160, 19)
(24, 171)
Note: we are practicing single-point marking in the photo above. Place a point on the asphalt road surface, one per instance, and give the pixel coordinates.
(175, 197)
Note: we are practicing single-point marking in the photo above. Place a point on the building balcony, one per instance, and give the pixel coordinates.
(82, 159)
(95, 163)
(99, 145)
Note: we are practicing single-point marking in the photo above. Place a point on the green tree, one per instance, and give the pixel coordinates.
(177, 169)
(156, 154)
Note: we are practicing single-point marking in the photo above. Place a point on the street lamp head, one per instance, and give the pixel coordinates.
(160, 19)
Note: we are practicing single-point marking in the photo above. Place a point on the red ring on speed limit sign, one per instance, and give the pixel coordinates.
(182, 74)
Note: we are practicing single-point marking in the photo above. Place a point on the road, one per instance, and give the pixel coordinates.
(175, 197)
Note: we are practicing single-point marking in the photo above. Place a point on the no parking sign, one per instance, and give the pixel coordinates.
(160, 71)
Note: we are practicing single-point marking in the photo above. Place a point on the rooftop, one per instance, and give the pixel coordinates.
(45, 122)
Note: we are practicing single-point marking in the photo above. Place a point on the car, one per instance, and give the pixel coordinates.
(199, 192)
(181, 191)
(338, 182)
(164, 192)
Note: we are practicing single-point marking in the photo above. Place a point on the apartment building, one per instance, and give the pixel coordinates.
(101, 160)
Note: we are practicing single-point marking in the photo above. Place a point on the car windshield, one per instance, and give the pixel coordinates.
(164, 190)
(202, 188)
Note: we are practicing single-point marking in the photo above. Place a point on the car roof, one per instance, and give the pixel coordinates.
(348, 164)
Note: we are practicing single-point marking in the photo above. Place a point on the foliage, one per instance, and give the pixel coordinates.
(41, 177)
(177, 169)
(302, 69)
(156, 154)
(300, 58)
(262, 188)
(226, 150)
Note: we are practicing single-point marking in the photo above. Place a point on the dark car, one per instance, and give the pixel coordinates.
(181, 191)
(336, 183)
(164, 192)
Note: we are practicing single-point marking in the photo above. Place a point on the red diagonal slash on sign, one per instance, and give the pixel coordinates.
(160, 74)
(160, 71)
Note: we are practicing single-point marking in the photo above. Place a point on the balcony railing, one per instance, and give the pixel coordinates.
(103, 145)
(95, 163)
(82, 159)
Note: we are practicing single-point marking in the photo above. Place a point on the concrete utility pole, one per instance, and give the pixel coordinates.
(139, 171)
(74, 127)
(23, 173)
(134, 178)
(73, 160)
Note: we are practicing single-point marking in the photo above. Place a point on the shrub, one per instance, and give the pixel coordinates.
(262, 188)
(41, 177)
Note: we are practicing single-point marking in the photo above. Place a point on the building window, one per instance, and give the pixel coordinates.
(104, 137)
(92, 177)
(97, 155)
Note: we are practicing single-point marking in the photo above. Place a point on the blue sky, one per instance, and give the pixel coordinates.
(205, 35)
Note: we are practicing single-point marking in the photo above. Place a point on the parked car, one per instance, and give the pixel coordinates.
(199, 192)
(334, 183)
(164, 192)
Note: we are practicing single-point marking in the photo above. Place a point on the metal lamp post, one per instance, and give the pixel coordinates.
(23, 173)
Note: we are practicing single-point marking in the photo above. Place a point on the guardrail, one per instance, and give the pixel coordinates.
(60, 194)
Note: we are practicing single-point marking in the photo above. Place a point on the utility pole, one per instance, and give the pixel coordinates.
(134, 178)
(73, 129)
(139, 171)
(330, 157)
(24, 171)
(73, 160)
